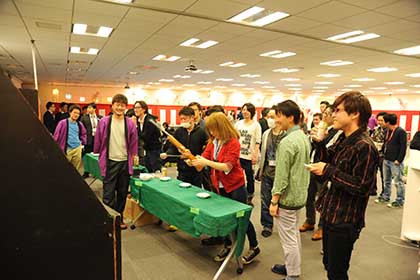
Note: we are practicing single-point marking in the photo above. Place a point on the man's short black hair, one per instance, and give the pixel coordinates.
(215, 109)
(251, 108)
(264, 112)
(391, 119)
(62, 104)
(186, 111)
(381, 114)
(75, 107)
(93, 105)
(355, 102)
(289, 108)
(48, 105)
(84, 107)
(195, 104)
(120, 98)
(324, 102)
(319, 115)
(143, 105)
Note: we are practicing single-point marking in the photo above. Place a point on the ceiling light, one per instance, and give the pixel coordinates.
(415, 86)
(294, 89)
(249, 88)
(181, 76)
(224, 79)
(207, 71)
(292, 85)
(363, 79)
(409, 51)
(166, 80)
(401, 90)
(84, 29)
(68, 96)
(188, 85)
(378, 88)
(261, 82)
(318, 90)
(320, 87)
(162, 57)
(250, 75)
(93, 51)
(336, 63)
(353, 36)
(79, 28)
(104, 31)
(413, 75)
(232, 64)
(394, 83)
(238, 64)
(238, 85)
(353, 86)
(258, 16)
(82, 99)
(226, 63)
(132, 73)
(286, 70)
(220, 87)
(204, 83)
(268, 87)
(124, 1)
(329, 75)
(80, 50)
(290, 79)
(382, 69)
(278, 54)
(191, 43)
(323, 83)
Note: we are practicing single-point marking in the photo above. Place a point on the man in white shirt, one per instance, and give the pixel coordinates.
(250, 139)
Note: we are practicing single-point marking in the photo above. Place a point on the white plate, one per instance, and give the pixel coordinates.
(203, 195)
(145, 176)
(165, 178)
(185, 185)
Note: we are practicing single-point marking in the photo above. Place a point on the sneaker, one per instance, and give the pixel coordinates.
(222, 254)
(172, 228)
(267, 232)
(250, 255)
(381, 200)
(306, 227)
(279, 269)
(317, 235)
(395, 204)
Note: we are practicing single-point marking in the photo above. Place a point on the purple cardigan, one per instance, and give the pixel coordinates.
(102, 142)
(61, 134)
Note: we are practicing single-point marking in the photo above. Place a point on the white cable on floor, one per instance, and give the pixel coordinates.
(413, 247)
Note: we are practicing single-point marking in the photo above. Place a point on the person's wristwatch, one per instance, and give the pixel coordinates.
(274, 203)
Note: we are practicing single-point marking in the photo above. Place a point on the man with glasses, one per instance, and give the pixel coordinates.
(194, 138)
(348, 168)
(197, 113)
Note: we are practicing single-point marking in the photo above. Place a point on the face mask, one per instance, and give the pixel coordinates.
(271, 123)
(186, 125)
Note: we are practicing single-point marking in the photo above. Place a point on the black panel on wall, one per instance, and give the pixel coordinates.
(52, 226)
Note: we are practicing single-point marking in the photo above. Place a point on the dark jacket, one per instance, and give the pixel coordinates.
(195, 141)
(264, 125)
(395, 144)
(415, 142)
(85, 119)
(150, 134)
(49, 121)
(61, 116)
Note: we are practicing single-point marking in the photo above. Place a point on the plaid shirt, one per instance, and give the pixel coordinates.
(349, 175)
(378, 137)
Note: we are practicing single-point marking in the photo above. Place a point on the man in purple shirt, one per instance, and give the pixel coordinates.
(116, 143)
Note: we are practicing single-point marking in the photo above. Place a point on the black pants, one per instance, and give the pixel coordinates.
(241, 196)
(247, 166)
(115, 185)
(266, 187)
(337, 242)
(152, 160)
(194, 178)
(313, 189)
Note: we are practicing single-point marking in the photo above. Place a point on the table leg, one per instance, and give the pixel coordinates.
(133, 222)
(229, 256)
(93, 181)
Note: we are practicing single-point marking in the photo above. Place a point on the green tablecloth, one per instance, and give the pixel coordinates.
(92, 166)
(214, 216)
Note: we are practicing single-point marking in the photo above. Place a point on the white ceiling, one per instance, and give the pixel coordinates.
(147, 28)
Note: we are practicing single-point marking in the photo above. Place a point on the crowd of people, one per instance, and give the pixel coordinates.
(330, 168)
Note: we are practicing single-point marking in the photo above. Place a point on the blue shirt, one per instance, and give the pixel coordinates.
(73, 140)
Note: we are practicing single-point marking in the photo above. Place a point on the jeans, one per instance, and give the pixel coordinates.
(266, 187)
(247, 166)
(313, 189)
(115, 185)
(337, 243)
(393, 171)
(152, 160)
(241, 196)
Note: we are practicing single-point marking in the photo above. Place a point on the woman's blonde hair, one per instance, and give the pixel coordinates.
(219, 122)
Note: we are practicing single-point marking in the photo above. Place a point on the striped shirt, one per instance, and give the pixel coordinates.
(349, 176)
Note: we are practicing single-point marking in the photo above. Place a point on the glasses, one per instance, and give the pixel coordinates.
(137, 107)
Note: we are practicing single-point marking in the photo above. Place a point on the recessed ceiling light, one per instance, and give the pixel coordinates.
(181, 76)
(124, 1)
(278, 54)
(378, 88)
(204, 83)
(336, 63)
(206, 72)
(415, 86)
(401, 90)
(328, 75)
(268, 87)
(286, 70)
(84, 29)
(363, 79)
(238, 85)
(261, 82)
(413, 75)
(353, 86)
(258, 16)
(224, 79)
(82, 99)
(220, 87)
(204, 45)
(394, 83)
(68, 96)
(162, 57)
(80, 50)
(290, 79)
(353, 36)
(292, 85)
(294, 89)
(232, 64)
(318, 90)
(409, 51)
(166, 80)
(320, 87)
(250, 75)
(133, 73)
(323, 83)
(188, 85)
(382, 69)
(249, 88)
